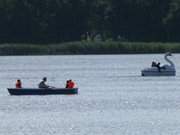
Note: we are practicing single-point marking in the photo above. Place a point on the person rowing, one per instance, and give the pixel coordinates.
(43, 84)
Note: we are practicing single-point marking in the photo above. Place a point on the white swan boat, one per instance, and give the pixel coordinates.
(165, 70)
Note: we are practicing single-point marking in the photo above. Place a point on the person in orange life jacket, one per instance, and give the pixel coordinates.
(70, 84)
(18, 84)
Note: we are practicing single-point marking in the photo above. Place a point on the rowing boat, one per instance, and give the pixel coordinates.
(42, 91)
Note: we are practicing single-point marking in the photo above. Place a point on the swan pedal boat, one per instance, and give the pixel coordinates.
(165, 70)
(42, 91)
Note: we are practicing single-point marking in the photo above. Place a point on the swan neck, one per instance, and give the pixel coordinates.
(169, 61)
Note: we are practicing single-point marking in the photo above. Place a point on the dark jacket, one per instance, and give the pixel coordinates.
(43, 85)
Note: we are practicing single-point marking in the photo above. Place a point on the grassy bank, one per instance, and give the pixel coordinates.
(88, 48)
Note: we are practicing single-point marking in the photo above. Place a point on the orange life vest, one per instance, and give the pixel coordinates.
(71, 84)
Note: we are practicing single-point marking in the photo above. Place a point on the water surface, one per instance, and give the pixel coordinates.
(113, 98)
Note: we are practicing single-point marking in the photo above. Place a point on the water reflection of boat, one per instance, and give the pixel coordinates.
(42, 91)
(165, 70)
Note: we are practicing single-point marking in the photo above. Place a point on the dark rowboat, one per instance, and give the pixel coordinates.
(42, 91)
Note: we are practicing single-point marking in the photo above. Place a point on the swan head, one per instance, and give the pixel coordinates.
(168, 54)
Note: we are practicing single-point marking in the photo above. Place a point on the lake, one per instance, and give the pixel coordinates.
(113, 98)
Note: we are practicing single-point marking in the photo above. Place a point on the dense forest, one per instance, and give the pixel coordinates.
(55, 21)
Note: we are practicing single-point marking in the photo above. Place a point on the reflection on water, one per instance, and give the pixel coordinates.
(113, 97)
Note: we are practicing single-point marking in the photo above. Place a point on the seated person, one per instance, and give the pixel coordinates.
(153, 64)
(18, 84)
(42, 83)
(70, 84)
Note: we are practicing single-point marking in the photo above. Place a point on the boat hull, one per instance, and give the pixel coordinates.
(156, 72)
(151, 73)
(42, 91)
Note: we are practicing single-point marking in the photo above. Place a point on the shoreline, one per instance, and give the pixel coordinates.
(88, 48)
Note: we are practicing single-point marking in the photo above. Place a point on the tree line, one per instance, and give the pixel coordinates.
(54, 21)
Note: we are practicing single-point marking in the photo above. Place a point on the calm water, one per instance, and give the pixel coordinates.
(113, 98)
